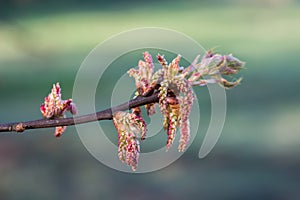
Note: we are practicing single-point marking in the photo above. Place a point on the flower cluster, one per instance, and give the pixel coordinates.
(175, 101)
(54, 107)
(129, 127)
(143, 79)
(173, 84)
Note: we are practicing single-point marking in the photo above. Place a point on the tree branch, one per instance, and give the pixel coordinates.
(101, 115)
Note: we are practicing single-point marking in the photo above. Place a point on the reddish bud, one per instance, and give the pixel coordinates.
(54, 107)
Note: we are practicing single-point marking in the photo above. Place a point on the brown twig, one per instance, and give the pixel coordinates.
(101, 115)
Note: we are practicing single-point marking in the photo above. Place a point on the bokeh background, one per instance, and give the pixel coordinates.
(257, 156)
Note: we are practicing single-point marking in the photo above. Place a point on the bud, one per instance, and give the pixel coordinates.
(174, 67)
(234, 63)
(150, 109)
(54, 107)
(162, 61)
(214, 66)
(59, 130)
(231, 65)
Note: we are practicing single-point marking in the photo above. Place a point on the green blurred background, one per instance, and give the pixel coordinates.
(257, 156)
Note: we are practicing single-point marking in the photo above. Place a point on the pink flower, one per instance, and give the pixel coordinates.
(186, 103)
(54, 107)
(129, 125)
(172, 119)
(143, 79)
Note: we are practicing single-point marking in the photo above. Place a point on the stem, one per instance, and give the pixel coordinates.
(101, 115)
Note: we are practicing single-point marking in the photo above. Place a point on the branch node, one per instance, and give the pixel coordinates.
(19, 128)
